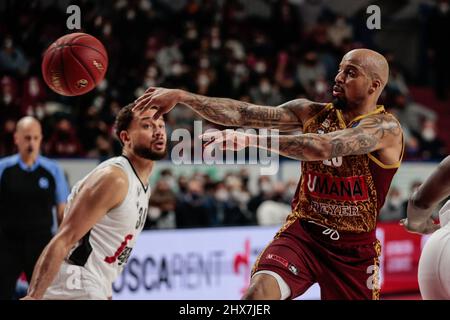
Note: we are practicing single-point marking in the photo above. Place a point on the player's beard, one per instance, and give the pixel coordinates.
(149, 153)
(340, 103)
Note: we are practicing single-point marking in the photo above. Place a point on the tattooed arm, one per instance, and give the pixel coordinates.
(228, 112)
(373, 133)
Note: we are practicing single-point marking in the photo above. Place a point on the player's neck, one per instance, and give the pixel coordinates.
(358, 110)
(143, 167)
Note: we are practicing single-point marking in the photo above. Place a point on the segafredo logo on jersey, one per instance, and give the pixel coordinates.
(233, 147)
(336, 188)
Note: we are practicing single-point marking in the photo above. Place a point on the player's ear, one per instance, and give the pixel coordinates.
(124, 137)
(374, 86)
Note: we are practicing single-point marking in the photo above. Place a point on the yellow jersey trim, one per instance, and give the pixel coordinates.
(379, 109)
(389, 166)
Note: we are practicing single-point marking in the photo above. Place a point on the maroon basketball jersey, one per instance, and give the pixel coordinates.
(344, 193)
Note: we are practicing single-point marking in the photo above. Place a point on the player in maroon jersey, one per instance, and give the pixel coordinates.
(350, 150)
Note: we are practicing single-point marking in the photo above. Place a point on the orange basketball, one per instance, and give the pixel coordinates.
(74, 64)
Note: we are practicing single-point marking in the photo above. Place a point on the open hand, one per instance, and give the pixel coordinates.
(161, 99)
(425, 227)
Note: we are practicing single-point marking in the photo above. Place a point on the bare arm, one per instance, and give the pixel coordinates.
(435, 188)
(228, 112)
(422, 203)
(60, 212)
(373, 133)
(102, 191)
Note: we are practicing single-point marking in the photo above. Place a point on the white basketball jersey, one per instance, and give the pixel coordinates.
(105, 249)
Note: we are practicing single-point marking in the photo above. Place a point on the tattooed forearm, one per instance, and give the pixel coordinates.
(229, 112)
(306, 147)
(357, 142)
(252, 116)
(218, 110)
(367, 137)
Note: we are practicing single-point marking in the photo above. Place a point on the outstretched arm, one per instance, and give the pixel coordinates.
(422, 203)
(90, 205)
(435, 188)
(228, 112)
(373, 133)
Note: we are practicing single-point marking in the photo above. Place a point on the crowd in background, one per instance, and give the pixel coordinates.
(215, 48)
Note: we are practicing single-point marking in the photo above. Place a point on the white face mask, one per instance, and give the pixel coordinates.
(150, 82)
(8, 43)
(107, 29)
(177, 69)
(103, 85)
(266, 187)
(239, 196)
(428, 134)
(192, 34)
(221, 195)
(34, 87)
(320, 87)
(204, 63)
(265, 87)
(396, 202)
(203, 80)
(7, 98)
(260, 67)
(152, 72)
(131, 14)
(216, 43)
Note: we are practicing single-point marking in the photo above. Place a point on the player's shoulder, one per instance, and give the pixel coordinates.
(109, 176)
(305, 108)
(382, 119)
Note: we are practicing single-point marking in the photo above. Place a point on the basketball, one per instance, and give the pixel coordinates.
(74, 64)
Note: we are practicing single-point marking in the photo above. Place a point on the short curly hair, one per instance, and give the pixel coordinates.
(123, 120)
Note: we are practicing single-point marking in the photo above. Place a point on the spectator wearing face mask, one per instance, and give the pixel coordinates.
(411, 114)
(9, 99)
(161, 212)
(309, 70)
(275, 210)
(236, 212)
(431, 146)
(33, 97)
(12, 59)
(264, 188)
(64, 142)
(266, 93)
(393, 208)
(191, 210)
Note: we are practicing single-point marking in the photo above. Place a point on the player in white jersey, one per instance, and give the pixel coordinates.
(434, 263)
(106, 211)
